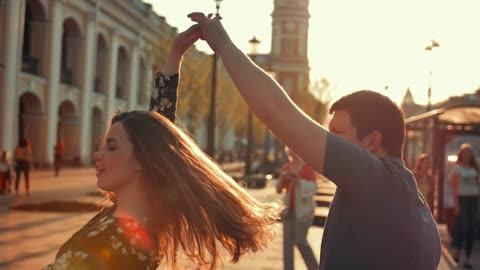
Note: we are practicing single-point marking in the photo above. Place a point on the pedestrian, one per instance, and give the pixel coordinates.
(377, 219)
(464, 180)
(170, 201)
(424, 177)
(58, 156)
(299, 181)
(23, 162)
(5, 172)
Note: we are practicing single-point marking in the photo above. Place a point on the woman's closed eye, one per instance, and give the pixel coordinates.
(111, 144)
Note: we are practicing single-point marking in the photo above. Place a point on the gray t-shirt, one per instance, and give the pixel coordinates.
(378, 219)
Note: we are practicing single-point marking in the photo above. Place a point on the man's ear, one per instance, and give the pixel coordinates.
(373, 141)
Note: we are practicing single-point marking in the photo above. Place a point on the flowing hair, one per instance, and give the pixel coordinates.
(195, 206)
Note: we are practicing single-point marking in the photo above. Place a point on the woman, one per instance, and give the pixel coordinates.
(298, 180)
(423, 175)
(23, 161)
(464, 181)
(168, 197)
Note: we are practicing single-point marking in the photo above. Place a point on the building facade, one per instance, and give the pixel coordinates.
(67, 65)
(289, 52)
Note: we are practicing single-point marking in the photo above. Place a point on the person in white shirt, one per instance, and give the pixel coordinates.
(464, 182)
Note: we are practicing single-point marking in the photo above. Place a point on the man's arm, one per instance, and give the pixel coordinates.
(266, 98)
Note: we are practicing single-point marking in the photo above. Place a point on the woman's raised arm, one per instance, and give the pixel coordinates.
(164, 95)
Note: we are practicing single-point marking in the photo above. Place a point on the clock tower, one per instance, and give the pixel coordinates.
(289, 52)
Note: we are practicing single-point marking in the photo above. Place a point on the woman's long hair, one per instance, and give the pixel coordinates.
(195, 205)
(460, 156)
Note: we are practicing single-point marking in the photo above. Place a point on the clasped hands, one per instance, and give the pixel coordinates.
(208, 28)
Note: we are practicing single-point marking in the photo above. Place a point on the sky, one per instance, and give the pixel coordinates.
(365, 44)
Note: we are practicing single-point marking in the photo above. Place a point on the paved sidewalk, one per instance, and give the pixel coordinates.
(30, 240)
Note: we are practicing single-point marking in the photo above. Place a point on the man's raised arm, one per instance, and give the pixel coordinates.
(266, 97)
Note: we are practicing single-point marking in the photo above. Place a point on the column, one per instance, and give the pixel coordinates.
(112, 73)
(56, 29)
(14, 17)
(133, 84)
(149, 83)
(88, 85)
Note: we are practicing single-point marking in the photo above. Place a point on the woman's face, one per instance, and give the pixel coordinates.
(466, 155)
(426, 164)
(115, 162)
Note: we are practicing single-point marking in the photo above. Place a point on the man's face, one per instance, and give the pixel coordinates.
(341, 125)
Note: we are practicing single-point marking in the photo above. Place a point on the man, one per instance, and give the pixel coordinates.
(377, 219)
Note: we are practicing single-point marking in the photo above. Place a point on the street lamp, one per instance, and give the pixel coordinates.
(433, 44)
(248, 162)
(429, 48)
(213, 96)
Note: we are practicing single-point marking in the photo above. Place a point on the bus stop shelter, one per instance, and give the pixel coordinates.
(433, 132)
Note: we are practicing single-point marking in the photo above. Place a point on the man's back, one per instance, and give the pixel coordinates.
(377, 219)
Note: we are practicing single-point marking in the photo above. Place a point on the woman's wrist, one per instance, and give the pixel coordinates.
(172, 64)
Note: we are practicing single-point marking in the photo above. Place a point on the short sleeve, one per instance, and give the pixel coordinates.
(351, 167)
(454, 170)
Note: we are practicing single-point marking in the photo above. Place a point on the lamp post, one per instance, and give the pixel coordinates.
(429, 48)
(213, 96)
(248, 162)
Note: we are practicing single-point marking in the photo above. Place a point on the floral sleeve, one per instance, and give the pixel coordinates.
(164, 95)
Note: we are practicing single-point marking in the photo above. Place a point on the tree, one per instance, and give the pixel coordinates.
(316, 101)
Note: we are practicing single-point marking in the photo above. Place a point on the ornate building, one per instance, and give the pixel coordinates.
(289, 52)
(67, 65)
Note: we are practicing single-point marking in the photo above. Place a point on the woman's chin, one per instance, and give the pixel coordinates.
(101, 185)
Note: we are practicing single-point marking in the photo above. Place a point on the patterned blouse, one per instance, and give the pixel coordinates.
(107, 242)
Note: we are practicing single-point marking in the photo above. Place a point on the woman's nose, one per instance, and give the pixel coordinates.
(96, 156)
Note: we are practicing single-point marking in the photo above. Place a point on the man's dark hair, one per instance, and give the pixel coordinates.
(370, 111)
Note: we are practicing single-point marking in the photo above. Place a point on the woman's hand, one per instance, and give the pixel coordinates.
(212, 30)
(180, 45)
(186, 39)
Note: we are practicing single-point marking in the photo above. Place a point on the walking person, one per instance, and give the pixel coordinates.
(23, 163)
(58, 156)
(299, 181)
(424, 177)
(169, 201)
(5, 172)
(464, 180)
(377, 219)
